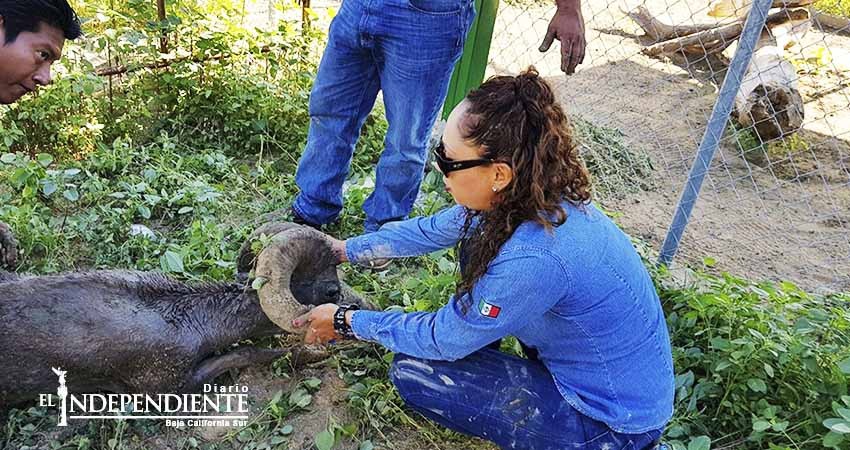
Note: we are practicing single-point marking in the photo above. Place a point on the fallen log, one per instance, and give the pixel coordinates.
(718, 38)
(768, 100)
(660, 31)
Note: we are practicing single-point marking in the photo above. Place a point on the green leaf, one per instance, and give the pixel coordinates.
(276, 398)
(172, 262)
(780, 426)
(324, 440)
(144, 211)
(7, 158)
(832, 439)
(676, 431)
(719, 343)
(837, 425)
(366, 445)
(258, 283)
(287, 429)
(709, 261)
(49, 187)
(700, 443)
(844, 413)
(768, 369)
(300, 398)
(312, 382)
(44, 159)
(757, 385)
(722, 365)
(845, 366)
(71, 194)
(185, 210)
(760, 425)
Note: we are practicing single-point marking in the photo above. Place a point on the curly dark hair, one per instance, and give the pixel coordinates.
(515, 119)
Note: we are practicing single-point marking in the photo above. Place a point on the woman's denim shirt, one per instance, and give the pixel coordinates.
(580, 296)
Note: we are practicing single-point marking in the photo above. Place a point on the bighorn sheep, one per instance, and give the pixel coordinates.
(135, 332)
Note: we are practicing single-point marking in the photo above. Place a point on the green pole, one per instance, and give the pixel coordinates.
(469, 70)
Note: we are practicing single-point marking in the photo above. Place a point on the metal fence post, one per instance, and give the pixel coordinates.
(469, 70)
(716, 125)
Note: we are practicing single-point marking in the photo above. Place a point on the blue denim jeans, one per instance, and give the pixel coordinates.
(510, 401)
(405, 48)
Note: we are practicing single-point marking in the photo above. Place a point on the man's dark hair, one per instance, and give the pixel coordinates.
(28, 15)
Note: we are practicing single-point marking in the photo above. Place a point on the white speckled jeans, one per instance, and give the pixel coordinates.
(510, 401)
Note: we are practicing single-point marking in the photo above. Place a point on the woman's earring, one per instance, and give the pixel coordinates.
(495, 189)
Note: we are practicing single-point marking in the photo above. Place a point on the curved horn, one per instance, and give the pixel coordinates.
(295, 250)
(246, 260)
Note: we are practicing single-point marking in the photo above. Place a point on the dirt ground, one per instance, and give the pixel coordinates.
(776, 216)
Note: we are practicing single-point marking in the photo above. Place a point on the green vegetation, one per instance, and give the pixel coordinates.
(835, 7)
(197, 151)
(617, 168)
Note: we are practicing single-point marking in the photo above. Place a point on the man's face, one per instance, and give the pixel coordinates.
(25, 63)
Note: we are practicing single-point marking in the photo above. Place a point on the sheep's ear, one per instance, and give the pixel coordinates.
(348, 296)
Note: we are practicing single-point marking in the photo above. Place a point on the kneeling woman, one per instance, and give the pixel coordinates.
(540, 263)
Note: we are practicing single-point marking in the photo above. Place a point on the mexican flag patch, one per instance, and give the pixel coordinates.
(488, 310)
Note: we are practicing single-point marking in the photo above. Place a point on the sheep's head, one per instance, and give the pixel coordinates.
(295, 269)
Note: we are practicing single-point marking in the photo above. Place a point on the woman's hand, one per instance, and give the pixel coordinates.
(320, 324)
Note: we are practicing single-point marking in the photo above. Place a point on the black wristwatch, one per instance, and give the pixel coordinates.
(340, 326)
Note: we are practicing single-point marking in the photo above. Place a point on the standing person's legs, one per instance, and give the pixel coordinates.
(420, 41)
(510, 401)
(343, 94)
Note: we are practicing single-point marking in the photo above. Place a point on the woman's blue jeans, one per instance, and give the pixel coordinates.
(510, 401)
(405, 48)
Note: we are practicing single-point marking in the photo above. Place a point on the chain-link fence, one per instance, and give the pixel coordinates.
(775, 204)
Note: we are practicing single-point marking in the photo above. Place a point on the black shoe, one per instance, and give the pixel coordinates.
(296, 218)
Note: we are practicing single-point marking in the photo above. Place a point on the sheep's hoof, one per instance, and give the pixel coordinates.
(8, 248)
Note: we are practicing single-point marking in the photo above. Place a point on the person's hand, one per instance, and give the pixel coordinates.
(568, 27)
(320, 324)
(338, 250)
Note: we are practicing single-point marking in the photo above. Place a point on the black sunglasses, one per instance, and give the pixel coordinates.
(447, 166)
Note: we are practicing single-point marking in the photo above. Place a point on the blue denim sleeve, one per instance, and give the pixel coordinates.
(412, 237)
(519, 286)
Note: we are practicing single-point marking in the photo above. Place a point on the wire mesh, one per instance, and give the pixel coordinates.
(772, 207)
